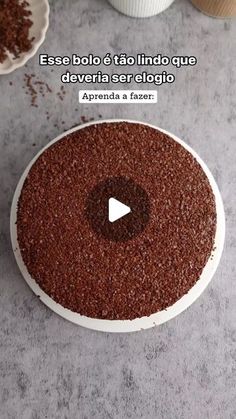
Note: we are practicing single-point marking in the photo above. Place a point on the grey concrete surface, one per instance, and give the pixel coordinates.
(185, 369)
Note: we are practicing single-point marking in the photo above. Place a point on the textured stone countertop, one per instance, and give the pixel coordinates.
(186, 368)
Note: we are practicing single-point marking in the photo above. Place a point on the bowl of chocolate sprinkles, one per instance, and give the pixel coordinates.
(23, 27)
(143, 269)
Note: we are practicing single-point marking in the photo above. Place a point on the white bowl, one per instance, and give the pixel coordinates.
(143, 322)
(40, 19)
(141, 8)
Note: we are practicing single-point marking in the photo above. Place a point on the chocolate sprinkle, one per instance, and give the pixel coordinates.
(15, 24)
(91, 274)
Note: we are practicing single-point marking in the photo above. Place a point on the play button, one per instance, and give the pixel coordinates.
(117, 209)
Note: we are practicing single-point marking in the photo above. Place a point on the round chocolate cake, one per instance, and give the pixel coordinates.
(144, 261)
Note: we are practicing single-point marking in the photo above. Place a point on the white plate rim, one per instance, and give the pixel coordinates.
(35, 46)
(121, 326)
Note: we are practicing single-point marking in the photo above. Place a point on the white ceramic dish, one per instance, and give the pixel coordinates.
(144, 322)
(141, 8)
(40, 19)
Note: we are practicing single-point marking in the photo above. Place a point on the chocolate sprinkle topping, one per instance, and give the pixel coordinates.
(91, 274)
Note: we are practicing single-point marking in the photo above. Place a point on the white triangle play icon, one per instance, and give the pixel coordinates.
(117, 210)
